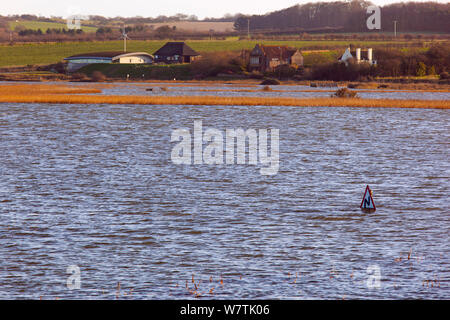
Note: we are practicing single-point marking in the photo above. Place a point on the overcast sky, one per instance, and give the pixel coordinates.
(149, 8)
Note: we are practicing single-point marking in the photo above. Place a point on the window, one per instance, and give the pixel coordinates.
(254, 60)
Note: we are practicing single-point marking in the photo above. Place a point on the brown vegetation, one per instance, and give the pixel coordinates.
(70, 95)
(271, 82)
(97, 76)
(211, 64)
(31, 90)
(344, 93)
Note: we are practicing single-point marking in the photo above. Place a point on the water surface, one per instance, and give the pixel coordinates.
(93, 186)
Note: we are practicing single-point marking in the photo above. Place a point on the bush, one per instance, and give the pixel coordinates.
(267, 88)
(79, 77)
(344, 93)
(59, 67)
(338, 71)
(284, 71)
(364, 85)
(97, 76)
(421, 69)
(211, 64)
(270, 81)
(256, 75)
(431, 71)
(444, 75)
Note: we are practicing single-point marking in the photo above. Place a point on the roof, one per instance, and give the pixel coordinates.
(176, 48)
(108, 55)
(346, 55)
(277, 51)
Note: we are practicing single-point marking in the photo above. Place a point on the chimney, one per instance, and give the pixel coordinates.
(369, 55)
(358, 55)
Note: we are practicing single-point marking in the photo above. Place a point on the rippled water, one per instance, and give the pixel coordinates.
(94, 186)
(233, 90)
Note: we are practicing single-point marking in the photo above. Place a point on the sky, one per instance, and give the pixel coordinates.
(149, 8)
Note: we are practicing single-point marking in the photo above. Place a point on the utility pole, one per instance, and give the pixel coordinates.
(395, 28)
(248, 29)
(125, 37)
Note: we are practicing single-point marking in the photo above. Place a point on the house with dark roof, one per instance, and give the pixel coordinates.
(176, 52)
(80, 60)
(267, 58)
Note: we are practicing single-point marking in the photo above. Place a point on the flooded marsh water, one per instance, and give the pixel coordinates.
(94, 186)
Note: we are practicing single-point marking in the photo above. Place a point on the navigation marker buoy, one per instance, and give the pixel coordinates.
(367, 203)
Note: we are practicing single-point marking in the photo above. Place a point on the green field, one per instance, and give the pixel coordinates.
(46, 53)
(35, 25)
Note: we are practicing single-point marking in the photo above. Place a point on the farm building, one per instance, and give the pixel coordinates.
(359, 56)
(176, 52)
(267, 58)
(80, 60)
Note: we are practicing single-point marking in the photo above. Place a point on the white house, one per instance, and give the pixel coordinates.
(80, 60)
(367, 56)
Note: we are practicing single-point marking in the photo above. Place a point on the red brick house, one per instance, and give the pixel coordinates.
(268, 58)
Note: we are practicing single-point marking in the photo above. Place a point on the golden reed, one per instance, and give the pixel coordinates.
(71, 95)
(42, 89)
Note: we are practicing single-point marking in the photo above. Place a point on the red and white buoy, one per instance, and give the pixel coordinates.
(367, 203)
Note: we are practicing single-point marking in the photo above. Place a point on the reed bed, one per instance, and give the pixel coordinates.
(63, 94)
(42, 90)
(232, 101)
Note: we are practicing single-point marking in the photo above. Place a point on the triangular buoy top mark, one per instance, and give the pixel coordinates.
(367, 201)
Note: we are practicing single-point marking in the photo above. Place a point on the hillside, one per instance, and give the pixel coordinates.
(351, 16)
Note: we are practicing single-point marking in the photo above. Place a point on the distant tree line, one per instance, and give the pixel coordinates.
(38, 32)
(104, 30)
(351, 16)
